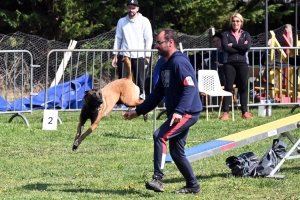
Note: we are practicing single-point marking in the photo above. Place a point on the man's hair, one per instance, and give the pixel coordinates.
(219, 35)
(170, 34)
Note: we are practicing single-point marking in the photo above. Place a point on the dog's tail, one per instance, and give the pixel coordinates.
(128, 65)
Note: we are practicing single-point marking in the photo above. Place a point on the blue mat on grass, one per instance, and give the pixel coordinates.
(69, 95)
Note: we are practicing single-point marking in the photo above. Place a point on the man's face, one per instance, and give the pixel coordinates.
(132, 10)
(217, 42)
(161, 45)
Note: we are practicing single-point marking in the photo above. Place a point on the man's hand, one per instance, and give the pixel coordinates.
(176, 118)
(114, 61)
(218, 63)
(148, 60)
(130, 115)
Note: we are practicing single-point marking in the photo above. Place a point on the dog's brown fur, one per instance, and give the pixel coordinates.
(123, 90)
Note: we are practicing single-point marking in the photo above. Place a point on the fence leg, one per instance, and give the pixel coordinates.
(19, 115)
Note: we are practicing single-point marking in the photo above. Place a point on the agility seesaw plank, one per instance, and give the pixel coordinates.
(241, 138)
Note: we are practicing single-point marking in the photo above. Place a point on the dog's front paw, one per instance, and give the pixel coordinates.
(145, 117)
(75, 145)
(74, 148)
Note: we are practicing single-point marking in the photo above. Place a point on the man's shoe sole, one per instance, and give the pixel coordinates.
(199, 192)
(189, 192)
(155, 189)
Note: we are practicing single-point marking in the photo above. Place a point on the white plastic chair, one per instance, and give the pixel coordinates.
(209, 84)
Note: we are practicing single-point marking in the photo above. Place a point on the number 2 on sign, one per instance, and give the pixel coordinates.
(50, 120)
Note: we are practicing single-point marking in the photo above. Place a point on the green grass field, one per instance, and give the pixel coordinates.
(116, 159)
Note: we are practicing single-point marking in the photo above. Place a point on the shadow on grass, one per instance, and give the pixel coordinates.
(289, 169)
(181, 179)
(294, 170)
(49, 187)
(132, 137)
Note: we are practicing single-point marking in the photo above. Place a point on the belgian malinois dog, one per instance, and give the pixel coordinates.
(98, 103)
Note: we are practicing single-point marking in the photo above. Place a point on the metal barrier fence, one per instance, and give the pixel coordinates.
(16, 88)
(273, 76)
(73, 76)
(79, 70)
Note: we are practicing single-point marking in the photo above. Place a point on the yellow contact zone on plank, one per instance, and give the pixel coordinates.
(262, 128)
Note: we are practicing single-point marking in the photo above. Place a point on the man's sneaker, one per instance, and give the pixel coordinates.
(156, 184)
(189, 190)
(225, 116)
(247, 115)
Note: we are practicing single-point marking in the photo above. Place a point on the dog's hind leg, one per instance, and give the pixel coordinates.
(133, 103)
(146, 115)
(136, 103)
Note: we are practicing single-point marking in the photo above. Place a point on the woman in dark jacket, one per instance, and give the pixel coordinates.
(235, 43)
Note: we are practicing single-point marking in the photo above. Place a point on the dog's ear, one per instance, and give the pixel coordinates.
(85, 95)
(99, 94)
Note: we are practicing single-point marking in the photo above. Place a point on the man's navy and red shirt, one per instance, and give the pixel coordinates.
(177, 82)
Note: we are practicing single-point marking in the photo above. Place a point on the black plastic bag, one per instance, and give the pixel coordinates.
(279, 147)
(243, 165)
(270, 159)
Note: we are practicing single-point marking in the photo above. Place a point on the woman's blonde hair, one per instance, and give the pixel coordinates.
(238, 15)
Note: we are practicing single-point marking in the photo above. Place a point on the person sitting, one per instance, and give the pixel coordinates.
(215, 61)
(217, 57)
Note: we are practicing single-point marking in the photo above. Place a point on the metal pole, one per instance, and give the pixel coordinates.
(295, 97)
(266, 22)
(296, 70)
(296, 24)
(267, 53)
(154, 17)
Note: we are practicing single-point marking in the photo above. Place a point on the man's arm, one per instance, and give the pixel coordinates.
(152, 100)
(184, 75)
(117, 43)
(148, 37)
(118, 37)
